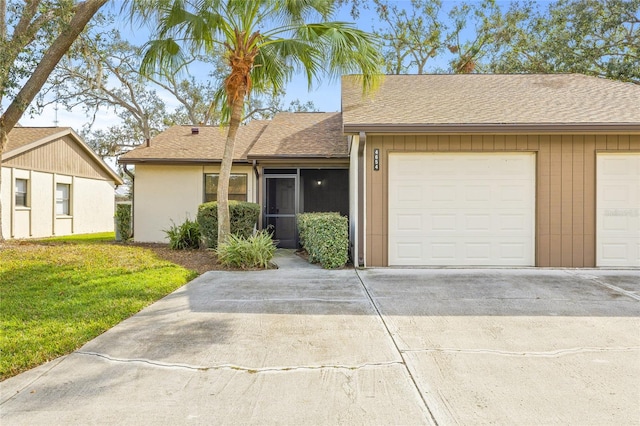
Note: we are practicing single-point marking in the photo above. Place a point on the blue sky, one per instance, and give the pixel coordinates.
(325, 94)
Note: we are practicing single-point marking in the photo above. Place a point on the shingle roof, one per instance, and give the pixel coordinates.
(302, 135)
(24, 139)
(177, 143)
(491, 99)
(21, 136)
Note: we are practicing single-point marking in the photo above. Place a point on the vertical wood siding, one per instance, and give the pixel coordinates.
(565, 187)
(62, 156)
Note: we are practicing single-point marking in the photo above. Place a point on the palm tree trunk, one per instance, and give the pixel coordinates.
(224, 224)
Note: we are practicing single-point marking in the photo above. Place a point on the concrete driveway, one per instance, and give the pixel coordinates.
(301, 345)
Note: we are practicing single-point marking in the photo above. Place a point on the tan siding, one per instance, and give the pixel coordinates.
(62, 156)
(443, 143)
(589, 183)
(410, 143)
(476, 142)
(623, 142)
(487, 143)
(454, 143)
(565, 206)
(522, 142)
(465, 143)
(577, 178)
(555, 202)
(510, 143)
(543, 202)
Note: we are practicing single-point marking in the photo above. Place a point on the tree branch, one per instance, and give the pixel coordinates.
(84, 12)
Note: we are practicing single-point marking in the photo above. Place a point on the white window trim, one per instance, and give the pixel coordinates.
(68, 200)
(27, 205)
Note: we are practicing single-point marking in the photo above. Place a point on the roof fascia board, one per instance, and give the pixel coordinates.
(176, 161)
(298, 157)
(495, 128)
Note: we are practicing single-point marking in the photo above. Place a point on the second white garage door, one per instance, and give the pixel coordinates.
(462, 209)
(618, 211)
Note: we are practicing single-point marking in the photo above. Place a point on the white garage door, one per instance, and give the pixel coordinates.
(461, 209)
(618, 210)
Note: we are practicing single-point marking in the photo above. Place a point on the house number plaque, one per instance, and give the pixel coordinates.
(376, 159)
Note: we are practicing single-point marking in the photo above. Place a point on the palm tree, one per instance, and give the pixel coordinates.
(264, 43)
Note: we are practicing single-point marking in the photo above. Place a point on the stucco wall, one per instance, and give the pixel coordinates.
(91, 205)
(42, 206)
(6, 192)
(165, 193)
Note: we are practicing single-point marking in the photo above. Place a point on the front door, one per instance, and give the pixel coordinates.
(280, 208)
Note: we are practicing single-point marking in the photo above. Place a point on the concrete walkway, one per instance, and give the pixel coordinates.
(301, 345)
(297, 345)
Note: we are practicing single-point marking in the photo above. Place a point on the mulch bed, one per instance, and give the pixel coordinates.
(200, 261)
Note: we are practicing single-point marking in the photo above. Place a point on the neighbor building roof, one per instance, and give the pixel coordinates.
(181, 144)
(21, 136)
(24, 139)
(302, 134)
(476, 102)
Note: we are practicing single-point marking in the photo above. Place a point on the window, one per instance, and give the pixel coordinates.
(237, 187)
(21, 193)
(62, 198)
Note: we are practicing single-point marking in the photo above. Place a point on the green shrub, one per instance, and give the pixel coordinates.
(243, 217)
(185, 236)
(253, 252)
(325, 236)
(123, 222)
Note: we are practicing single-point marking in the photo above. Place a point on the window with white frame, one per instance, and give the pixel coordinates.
(22, 199)
(63, 192)
(237, 187)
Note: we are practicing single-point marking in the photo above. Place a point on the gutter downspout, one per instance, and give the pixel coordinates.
(361, 199)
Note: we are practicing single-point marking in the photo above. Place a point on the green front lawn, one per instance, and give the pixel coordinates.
(57, 295)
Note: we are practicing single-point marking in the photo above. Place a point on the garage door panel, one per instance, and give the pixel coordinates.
(618, 209)
(410, 167)
(473, 209)
(414, 222)
(458, 195)
(438, 251)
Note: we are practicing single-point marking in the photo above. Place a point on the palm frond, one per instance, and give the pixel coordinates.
(162, 55)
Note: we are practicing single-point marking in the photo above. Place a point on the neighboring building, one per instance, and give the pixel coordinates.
(54, 184)
(438, 170)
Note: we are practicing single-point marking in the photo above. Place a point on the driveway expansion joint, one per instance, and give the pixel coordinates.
(597, 280)
(534, 354)
(252, 370)
(432, 417)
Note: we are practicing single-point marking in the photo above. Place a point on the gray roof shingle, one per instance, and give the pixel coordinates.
(491, 99)
(177, 143)
(310, 135)
(298, 134)
(21, 136)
